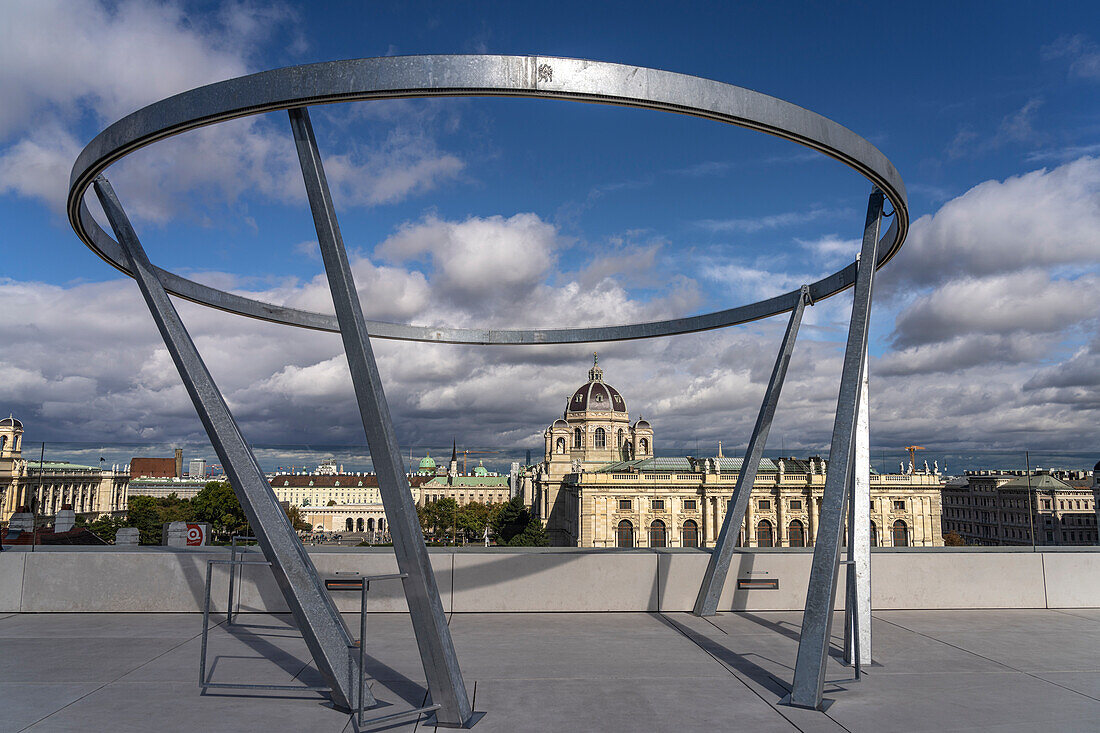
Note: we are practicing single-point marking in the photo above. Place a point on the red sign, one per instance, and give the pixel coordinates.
(195, 535)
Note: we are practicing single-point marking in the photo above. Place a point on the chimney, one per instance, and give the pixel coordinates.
(65, 519)
(179, 462)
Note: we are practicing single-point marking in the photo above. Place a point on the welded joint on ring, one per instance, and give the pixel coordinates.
(807, 298)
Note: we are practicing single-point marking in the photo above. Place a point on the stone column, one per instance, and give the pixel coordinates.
(781, 530)
(750, 521)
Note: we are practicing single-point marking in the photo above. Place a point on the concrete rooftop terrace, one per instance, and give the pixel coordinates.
(936, 670)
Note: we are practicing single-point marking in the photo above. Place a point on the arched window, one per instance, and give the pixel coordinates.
(796, 534)
(601, 438)
(578, 440)
(620, 443)
(657, 535)
(901, 534)
(764, 534)
(560, 446)
(644, 447)
(359, 524)
(4, 441)
(691, 533)
(381, 525)
(624, 534)
(370, 525)
(349, 524)
(874, 535)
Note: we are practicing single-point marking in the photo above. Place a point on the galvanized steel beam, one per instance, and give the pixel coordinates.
(710, 590)
(857, 606)
(323, 629)
(429, 622)
(813, 644)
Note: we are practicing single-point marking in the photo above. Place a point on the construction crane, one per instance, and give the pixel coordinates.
(913, 455)
(466, 453)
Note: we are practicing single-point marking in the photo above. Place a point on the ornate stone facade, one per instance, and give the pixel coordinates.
(600, 485)
(51, 485)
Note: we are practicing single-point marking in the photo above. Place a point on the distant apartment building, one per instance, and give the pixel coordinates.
(162, 488)
(337, 502)
(196, 468)
(47, 486)
(1014, 508)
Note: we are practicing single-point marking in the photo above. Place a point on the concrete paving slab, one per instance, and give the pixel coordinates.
(25, 704)
(765, 674)
(1086, 683)
(1032, 651)
(1092, 614)
(76, 660)
(101, 625)
(960, 701)
(598, 646)
(623, 705)
(138, 707)
(1019, 639)
(560, 672)
(980, 620)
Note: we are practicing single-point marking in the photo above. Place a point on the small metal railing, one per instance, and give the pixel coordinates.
(357, 582)
(362, 583)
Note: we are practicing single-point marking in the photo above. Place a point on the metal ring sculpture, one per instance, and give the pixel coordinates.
(297, 88)
(541, 77)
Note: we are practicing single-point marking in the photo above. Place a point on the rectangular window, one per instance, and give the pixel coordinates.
(689, 505)
(658, 505)
(899, 506)
(765, 505)
(624, 505)
(796, 505)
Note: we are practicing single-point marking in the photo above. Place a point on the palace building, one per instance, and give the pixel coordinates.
(601, 485)
(44, 487)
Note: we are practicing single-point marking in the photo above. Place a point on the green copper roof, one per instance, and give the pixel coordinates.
(440, 482)
(1041, 482)
(58, 466)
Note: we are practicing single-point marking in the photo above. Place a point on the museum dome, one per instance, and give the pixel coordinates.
(10, 422)
(595, 394)
(427, 463)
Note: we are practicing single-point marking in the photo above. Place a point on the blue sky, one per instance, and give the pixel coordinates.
(524, 212)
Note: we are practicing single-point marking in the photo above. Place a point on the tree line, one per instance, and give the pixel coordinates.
(509, 523)
(442, 520)
(215, 504)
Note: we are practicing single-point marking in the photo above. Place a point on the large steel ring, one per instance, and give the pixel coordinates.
(540, 77)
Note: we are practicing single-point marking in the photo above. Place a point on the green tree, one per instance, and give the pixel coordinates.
(474, 517)
(294, 514)
(437, 518)
(515, 526)
(149, 514)
(218, 505)
(106, 526)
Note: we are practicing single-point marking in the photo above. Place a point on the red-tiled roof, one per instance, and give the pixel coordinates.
(46, 536)
(152, 467)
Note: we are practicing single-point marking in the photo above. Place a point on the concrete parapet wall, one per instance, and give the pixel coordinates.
(121, 579)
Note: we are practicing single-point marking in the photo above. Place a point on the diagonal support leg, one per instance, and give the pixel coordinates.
(429, 621)
(813, 644)
(324, 631)
(718, 567)
(857, 606)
